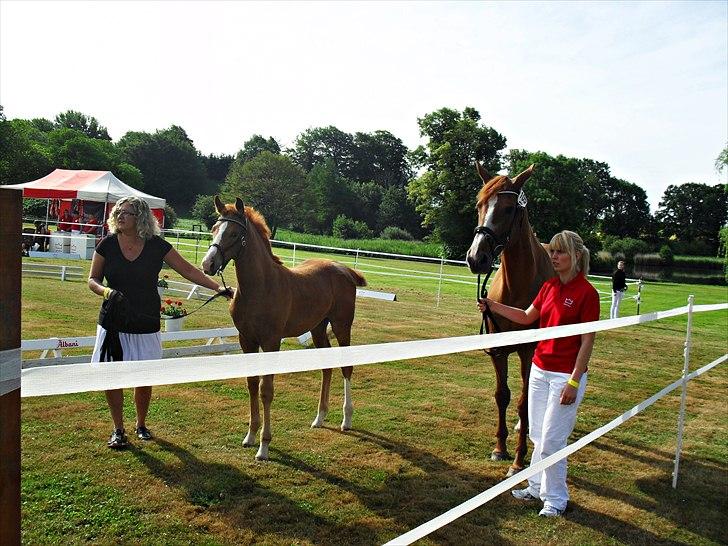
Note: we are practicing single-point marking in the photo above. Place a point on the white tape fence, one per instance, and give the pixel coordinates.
(75, 378)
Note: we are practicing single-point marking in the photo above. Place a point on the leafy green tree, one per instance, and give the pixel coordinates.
(73, 149)
(130, 175)
(271, 183)
(170, 217)
(88, 125)
(556, 197)
(380, 157)
(367, 199)
(255, 145)
(347, 228)
(626, 212)
(170, 165)
(693, 213)
(42, 124)
(316, 146)
(445, 193)
(397, 210)
(328, 194)
(721, 162)
(204, 210)
(217, 167)
(23, 154)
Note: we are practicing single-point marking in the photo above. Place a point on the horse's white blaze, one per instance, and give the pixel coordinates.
(319, 421)
(487, 222)
(209, 260)
(348, 405)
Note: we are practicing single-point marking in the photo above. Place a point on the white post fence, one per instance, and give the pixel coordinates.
(683, 394)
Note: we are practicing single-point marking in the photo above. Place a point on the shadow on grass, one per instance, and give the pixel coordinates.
(232, 496)
(698, 504)
(410, 499)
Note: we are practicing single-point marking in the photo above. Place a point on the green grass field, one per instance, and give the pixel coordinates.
(423, 432)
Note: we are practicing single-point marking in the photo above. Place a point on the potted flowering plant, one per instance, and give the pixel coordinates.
(173, 313)
(162, 284)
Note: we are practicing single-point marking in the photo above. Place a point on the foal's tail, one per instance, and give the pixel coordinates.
(357, 277)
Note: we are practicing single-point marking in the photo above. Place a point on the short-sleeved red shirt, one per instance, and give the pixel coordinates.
(560, 304)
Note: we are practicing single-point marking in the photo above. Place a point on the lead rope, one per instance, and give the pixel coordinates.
(226, 292)
(481, 294)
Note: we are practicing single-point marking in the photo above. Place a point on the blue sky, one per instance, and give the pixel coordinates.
(642, 86)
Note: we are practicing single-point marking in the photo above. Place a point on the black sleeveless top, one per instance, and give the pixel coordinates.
(137, 280)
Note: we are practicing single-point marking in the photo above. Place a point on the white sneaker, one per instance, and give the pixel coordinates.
(550, 512)
(523, 494)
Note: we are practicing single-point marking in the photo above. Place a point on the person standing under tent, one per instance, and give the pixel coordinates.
(130, 259)
(558, 377)
(619, 287)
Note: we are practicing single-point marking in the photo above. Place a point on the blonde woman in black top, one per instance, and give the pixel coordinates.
(130, 260)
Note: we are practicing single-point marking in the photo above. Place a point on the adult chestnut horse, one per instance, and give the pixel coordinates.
(503, 229)
(273, 302)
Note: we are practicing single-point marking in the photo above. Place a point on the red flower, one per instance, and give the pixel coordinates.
(168, 302)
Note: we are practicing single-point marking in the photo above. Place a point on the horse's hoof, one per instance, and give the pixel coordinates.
(500, 456)
(262, 454)
(344, 428)
(319, 421)
(513, 471)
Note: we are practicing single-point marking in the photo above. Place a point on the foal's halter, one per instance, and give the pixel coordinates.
(497, 244)
(242, 241)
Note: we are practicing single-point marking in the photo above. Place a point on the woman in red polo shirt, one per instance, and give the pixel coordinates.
(559, 372)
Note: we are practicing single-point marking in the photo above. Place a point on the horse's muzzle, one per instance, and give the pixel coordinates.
(480, 263)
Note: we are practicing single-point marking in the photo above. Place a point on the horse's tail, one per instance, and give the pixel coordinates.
(357, 277)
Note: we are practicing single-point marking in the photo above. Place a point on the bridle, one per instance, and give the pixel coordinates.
(497, 244)
(242, 241)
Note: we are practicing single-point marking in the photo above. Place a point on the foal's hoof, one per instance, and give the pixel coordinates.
(500, 456)
(512, 471)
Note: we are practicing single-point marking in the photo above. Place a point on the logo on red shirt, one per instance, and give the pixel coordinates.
(568, 302)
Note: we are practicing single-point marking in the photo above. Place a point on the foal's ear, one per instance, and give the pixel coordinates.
(484, 176)
(219, 206)
(239, 205)
(520, 180)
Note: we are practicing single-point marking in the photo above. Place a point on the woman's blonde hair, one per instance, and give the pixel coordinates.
(146, 224)
(570, 242)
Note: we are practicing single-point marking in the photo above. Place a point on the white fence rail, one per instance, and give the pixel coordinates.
(509, 483)
(61, 272)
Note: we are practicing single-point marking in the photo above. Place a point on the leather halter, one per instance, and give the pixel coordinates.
(242, 240)
(497, 244)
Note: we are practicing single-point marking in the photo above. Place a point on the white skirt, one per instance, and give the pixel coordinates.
(135, 346)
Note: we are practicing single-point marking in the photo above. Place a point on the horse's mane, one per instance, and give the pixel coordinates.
(257, 220)
(490, 188)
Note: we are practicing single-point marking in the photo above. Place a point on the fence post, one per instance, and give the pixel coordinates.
(10, 264)
(356, 260)
(294, 255)
(639, 294)
(683, 395)
(63, 272)
(439, 282)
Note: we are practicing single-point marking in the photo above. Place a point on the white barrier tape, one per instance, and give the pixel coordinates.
(73, 378)
(488, 495)
(9, 370)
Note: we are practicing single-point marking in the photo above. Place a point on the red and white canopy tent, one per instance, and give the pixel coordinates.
(93, 186)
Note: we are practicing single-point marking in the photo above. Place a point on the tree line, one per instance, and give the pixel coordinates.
(370, 184)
